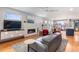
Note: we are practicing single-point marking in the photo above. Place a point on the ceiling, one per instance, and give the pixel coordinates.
(52, 12)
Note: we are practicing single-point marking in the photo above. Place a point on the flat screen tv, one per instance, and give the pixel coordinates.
(12, 25)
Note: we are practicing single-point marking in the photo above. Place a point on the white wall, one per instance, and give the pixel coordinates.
(1, 18)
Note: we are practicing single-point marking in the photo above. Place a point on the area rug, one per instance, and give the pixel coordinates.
(20, 47)
(23, 47)
(62, 46)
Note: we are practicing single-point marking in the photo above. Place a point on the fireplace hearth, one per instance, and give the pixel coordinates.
(30, 31)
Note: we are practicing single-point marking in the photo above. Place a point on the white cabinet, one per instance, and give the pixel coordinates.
(11, 34)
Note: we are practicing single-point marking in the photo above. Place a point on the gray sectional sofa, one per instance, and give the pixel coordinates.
(49, 43)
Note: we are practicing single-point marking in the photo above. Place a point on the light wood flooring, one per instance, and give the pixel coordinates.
(73, 42)
(7, 46)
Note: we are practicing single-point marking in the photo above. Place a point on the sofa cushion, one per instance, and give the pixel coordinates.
(41, 45)
(40, 39)
(38, 46)
(47, 38)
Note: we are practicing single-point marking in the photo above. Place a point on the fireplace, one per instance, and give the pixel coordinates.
(31, 31)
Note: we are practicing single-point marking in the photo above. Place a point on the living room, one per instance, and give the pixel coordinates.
(39, 29)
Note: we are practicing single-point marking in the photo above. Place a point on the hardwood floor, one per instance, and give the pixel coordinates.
(72, 46)
(73, 42)
(7, 46)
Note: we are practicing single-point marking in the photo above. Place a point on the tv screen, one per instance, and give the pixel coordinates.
(12, 25)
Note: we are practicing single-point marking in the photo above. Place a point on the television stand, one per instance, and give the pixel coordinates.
(10, 35)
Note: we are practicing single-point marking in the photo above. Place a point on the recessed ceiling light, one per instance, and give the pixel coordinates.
(41, 15)
(71, 9)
